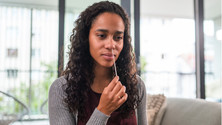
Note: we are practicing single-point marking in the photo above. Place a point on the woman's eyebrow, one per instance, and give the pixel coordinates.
(102, 30)
(106, 31)
(119, 32)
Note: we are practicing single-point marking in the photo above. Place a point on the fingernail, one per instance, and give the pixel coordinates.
(117, 78)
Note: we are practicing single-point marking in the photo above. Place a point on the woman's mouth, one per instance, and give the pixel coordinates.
(108, 57)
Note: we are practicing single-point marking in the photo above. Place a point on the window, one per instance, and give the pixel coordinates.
(29, 40)
(12, 73)
(168, 48)
(12, 52)
(36, 53)
(212, 49)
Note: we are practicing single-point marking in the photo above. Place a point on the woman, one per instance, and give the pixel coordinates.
(89, 92)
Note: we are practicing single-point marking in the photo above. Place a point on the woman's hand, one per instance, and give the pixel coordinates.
(113, 96)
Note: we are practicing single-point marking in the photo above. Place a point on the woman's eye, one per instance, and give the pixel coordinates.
(118, 38)
(101, 35)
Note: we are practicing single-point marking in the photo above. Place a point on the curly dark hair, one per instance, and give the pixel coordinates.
(79, 70)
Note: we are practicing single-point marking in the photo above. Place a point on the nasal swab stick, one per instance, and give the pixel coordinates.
(114, 63)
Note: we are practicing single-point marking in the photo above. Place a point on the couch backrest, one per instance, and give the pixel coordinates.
(191, 112)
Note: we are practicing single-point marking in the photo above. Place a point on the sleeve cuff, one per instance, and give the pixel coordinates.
(98, 118)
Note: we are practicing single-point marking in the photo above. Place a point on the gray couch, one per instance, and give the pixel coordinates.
(180, 111)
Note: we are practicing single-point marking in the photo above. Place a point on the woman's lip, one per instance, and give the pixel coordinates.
(107, 53)
(108, 57)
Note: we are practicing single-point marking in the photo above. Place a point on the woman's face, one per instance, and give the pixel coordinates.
(106, 35)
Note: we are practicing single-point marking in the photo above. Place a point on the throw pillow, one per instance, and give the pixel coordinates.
(156, 106)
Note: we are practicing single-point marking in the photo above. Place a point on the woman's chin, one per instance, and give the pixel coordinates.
(107, 65)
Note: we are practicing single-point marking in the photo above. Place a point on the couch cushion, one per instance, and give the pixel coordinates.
(191, 112)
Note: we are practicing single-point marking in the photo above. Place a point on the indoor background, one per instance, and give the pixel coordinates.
(164, 34)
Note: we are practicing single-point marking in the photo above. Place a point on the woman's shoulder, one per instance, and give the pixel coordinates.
(141, 86)
(140, 82)
(58, 83)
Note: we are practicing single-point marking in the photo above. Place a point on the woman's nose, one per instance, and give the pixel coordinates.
(110, 44)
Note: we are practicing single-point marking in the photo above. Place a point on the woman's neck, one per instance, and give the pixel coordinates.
(103, 76)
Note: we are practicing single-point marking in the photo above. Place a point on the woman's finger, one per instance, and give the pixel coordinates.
(123, 99)
(121, 92)
(113, 83)
(117, 88)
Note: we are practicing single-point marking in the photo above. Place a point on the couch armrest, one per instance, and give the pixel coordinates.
(191, 112)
